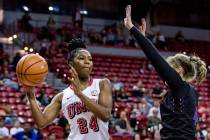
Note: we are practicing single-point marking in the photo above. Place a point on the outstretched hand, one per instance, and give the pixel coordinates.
(127, 20)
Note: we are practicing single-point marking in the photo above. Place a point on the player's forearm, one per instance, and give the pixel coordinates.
(100, 111)
(36, 112)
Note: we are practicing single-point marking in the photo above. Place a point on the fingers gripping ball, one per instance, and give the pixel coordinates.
(31, 70)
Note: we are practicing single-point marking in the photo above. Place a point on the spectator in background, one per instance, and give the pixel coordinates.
(135, 112)
(78, 18)
(157, 90)
(10, 117)
(43, 98)
(51, 22)
(77, 32)
(138, 89)
(122, 125)
(179, 36)
(159, 97)
(60, 35)
(144, 107)
(200, 133)
(110, 37)
(154, 120)
(16, 129)
(120, 38)
(43, 51)
(122, 96)
(159, 41)
(131, 42)
(27, 134)
(117, 84)
(95, 38)
(4, 131)
(6, 82)
(155, 110)
(16, 58)
(116, 87)
(25, 22)
(46, 34)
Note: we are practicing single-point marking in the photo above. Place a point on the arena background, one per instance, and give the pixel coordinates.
(45, 26)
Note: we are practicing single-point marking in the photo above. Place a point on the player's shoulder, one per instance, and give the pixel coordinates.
(58, 97)
(104, 81)
(66, 89)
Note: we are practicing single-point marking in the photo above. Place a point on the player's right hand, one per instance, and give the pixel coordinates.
(29, 91)
(142, 27)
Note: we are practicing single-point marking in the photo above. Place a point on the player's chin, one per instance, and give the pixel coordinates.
(85, 74)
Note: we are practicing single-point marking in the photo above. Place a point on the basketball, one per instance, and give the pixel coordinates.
(31, 70)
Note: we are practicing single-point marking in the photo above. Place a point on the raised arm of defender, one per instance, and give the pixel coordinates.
(166, 72)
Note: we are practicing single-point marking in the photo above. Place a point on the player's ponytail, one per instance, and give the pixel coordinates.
(194, 68)
(200, 66)
(74, 46)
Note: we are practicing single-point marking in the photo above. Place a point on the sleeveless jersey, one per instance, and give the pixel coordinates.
(83, 124)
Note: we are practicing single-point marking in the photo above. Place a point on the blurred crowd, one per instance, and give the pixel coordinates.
(112, 35)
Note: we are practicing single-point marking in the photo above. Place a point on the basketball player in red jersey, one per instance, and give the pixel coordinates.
(86, 103)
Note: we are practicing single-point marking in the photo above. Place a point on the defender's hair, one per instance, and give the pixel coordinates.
(194, 68)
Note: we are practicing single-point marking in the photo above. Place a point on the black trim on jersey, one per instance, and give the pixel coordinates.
(82, 122)
(71, 111)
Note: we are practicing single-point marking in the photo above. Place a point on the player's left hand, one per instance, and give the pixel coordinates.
(127, 20)
(143, 26)
(74, 80)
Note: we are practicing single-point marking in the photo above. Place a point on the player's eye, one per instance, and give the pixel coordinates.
(81, 58)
